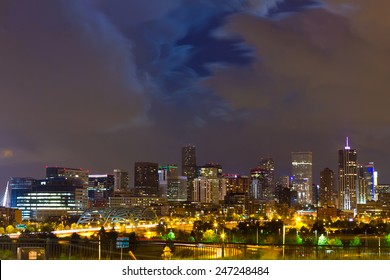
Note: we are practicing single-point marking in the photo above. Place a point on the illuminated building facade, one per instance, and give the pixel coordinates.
(189, 167)
(77, 175)
(302, 176)
(39, 199)
(100, 187)
(237, 192)
(209, 186)
(121, 180)
(146, 178)
(257, 183)
(327, 187)
(371, 177)
(171, 185)
(347, 178)
(267, 165)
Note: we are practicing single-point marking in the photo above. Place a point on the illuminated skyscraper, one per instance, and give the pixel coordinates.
(370, 175)
(302, 176)
(267, 165)
(209, 186)
(121, 180)
(347, 178)
(146, 178)
(100, 187)
(171, 185)
(188, 164)
(326, 187)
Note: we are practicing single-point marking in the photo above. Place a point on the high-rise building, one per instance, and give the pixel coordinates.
(282, 190)
(57, 195)
(189, 168)
(100, 187)
(302, 176)
(327, 187)
(121, 180)
(209, 186)
(146, 178)
(237, 190)
(380, 189)
(76, 175)
(370, 175)
(347, 178)
(257, 183)
(171, 185)
(362, 184)
(267, 165)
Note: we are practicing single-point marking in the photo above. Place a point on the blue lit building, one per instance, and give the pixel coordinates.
(40, 199)
(370, 177)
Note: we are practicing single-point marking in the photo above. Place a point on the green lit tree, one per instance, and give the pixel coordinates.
(387, 240)
(209, 236)
(335, 242)
(322, 240)
(171, 236)
(355, 242)
(299, 240)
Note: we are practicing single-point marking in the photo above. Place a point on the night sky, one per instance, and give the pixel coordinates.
(103, 84)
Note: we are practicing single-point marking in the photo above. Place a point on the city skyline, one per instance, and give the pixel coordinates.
(294, 171)
(103, 85)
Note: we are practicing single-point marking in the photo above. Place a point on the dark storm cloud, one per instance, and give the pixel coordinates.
(322, 75)
(81, 80)
(101, 84)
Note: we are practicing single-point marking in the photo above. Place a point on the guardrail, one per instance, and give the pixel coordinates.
(152, 250)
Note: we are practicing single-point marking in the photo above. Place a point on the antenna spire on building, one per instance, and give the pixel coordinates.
(347, 147)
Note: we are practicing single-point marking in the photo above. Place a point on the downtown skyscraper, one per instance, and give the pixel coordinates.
(347, 178)
(302, 166)
(189, 168)
(146, 179)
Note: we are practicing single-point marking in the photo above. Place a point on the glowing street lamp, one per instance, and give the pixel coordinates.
(223, 243)
(216, 227)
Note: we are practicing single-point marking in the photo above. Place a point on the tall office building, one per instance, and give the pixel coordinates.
(121, 180)
(370, 175)
(347, 178)
(257, 183)
(189, 168)
(57, 195)
(209, 186)
(326, 187)
(267, 165)
(171, 185)
(146, 178)
(302, 176)
(78, 176)
(100, 188)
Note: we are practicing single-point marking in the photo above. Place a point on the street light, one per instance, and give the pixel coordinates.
(216, 227)
(223, 243)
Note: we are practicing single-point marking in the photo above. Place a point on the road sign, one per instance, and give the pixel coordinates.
(20, 226)
(122, 242)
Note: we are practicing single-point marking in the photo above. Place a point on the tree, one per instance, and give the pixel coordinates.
(387, 239)
(2, 231)
(355, 242)
(10, 229)
(299, 240)
(322, 240)
(209, 236)
(335, 242)
(169, 236)
(60, 227)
